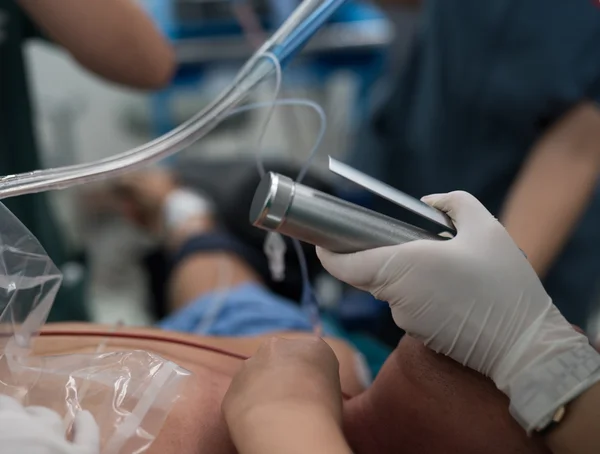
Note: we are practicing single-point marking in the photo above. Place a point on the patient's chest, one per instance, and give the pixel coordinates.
(195, 424)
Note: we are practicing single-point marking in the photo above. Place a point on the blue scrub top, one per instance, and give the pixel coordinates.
(484, 80)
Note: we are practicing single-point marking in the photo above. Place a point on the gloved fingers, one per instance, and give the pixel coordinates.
(464, 209)
(358, 269)
(86, 433)
(48, 418)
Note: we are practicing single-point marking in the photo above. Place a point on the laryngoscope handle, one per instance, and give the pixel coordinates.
(321, 219)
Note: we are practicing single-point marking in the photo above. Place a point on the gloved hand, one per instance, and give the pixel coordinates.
(476, 299)
(39, 430)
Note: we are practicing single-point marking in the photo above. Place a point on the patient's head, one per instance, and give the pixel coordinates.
(424, 402)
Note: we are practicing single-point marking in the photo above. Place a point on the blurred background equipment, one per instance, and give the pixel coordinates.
(348, 53)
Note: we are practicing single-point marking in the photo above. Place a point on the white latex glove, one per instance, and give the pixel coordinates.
(39, 430)
(476, 299)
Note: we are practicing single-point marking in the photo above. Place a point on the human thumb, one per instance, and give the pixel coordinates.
(86, 433)
(464, 209)
(359, 269)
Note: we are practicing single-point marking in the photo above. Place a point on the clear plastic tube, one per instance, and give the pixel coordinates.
(252, 73)
(308, 300)
(292, 102)
(158, 149)
(265, 126)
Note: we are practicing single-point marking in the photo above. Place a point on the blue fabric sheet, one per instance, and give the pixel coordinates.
(247, 310)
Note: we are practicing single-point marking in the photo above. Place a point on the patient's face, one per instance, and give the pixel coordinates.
(422, 402)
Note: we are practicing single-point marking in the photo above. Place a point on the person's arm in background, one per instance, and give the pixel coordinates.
(152, 200)
(112, 38)
(555, 186)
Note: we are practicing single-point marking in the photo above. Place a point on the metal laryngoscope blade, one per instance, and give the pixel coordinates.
(393, 195)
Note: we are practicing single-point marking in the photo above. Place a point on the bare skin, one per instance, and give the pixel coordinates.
(287, 399)
(555, 186)
(195, 424)
(112, 38)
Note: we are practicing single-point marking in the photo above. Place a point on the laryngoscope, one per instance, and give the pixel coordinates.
(298, 211)
(283, 45)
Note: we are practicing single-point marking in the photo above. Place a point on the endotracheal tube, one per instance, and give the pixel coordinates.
(284, 44)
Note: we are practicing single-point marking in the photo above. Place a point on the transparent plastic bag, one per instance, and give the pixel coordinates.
(130, 393)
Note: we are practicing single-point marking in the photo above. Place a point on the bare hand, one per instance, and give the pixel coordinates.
(142, 196)
(285, 375)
